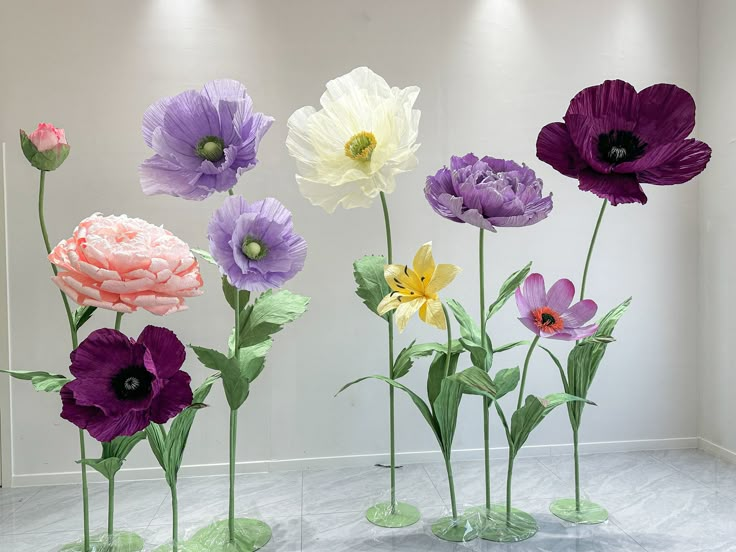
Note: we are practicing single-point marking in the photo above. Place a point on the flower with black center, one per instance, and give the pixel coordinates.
(121, 385)
(550, 314)
(615, 138)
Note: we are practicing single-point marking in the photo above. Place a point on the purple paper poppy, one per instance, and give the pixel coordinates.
(549, 314)
(203, 140)
(122, 385)
(614, 138)
(254, 244)
(487, 193)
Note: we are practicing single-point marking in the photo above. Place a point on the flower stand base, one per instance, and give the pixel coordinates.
(400, 514)
(498, 527)
(462, 529)
(250, 535)
(589, 513)
(122, 541)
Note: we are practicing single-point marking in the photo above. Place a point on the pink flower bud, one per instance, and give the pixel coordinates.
(47, 137)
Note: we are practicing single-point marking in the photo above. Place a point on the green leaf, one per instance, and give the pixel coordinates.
(506, 381)
(156, 435)
(405, 359)
(372, 286)
(529, 416)
(107, 467)
(475, 381)
(557, 362)
(509, 346)
(507, 290)
(437, 374)
(446, 406)
(251, 360)
(481, 354)
(41, 381)
(82, 315)
(268, 315)
(236, 386)
(230, 293)
(205, 256)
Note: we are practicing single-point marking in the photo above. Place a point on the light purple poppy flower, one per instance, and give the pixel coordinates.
(549, 314)
(122, 385)
(614, 138)
(203, 140)
(487, 193)
(254, 244)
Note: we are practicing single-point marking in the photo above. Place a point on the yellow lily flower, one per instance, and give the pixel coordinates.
(416, 290)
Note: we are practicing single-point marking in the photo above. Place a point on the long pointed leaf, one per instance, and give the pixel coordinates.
(446, 408)
(507, 290)
(41, 381)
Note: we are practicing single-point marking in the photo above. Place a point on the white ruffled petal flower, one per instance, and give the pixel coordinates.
(351, 150)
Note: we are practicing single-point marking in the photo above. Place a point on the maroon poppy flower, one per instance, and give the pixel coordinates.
(122, 385)
(613, 139)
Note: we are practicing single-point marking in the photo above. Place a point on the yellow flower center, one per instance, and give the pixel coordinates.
(360, 146)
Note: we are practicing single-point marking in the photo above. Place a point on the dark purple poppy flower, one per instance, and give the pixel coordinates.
(614, 138)
(122, 385)
(203, 140)
(487, 193)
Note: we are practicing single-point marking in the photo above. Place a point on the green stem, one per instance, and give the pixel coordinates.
(175, 519)
(577, 469)
(85, 491)
(233, 439)
(448, 446)
(230, 192)
(391, 408)
(449, 340)
(486, 402)
(590, 249)
(451, 482)
(118, 320)
(110, 509)
(509, 475)
(523, 374)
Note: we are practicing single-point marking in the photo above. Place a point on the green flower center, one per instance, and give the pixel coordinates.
(254, 249)
(211, 148)
(548, 319)
(360, 146)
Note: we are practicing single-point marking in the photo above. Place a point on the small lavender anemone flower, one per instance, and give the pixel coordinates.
(203, 140)
(254, 244)
(487, 193)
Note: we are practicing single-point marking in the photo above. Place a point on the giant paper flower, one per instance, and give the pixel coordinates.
(203, 140)
(614, 138)
(487, 193)
(350, 150)
(122, 385)
(549, 314)
(255, 244)
(124, 264)
(416, 289)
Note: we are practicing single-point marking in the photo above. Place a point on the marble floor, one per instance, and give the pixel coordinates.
(673, 501)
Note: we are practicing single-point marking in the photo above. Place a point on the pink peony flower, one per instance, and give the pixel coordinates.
(122, 263)
(47, 137)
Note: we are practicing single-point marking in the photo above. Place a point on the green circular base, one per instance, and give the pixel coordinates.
(250, 535)
(122, 541)
(589, 513)
(462, 529)
(393, 516)
(498, 527)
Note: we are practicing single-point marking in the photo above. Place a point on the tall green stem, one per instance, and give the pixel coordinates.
(233, 440)
(451, 482)
(523, 374)
(175, 518)
(118, 320)
(110, 508)
(391, 415)
(448, 446)
(73, 333)
(577, 468)
(590, 249)
(486, 402)
(509, 475)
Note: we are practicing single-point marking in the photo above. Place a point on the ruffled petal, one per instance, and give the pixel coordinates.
(163, 350)
(685, 163)
(666, 114)
(534, 291)
(555, 147)
(614, 99)
(616, 188)
(175, 396)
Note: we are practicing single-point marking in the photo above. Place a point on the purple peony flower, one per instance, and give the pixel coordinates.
(203, 140)
(122, 385)
(614, 138)
(487, 193)
(255, 244)
(549, 314)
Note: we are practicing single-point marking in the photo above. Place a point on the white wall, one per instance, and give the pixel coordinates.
(492, 74)
(717, 296)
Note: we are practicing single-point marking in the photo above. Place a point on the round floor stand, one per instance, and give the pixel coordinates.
(250, 535)
(589, 513)
(462, 529)
(122, 541)
(400, 515)
(498, 527)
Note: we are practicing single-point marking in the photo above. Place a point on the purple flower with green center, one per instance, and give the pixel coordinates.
(254, 244)
(550, 314)
(121, 385)
(614, 138)
(203, 140)
(487, 193)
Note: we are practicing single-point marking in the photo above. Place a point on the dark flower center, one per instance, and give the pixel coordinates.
(619, 146)
(211, 148)
(547, 319)
(132, 383)
(254, 249)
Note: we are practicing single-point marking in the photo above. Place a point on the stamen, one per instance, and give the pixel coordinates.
(360, 146)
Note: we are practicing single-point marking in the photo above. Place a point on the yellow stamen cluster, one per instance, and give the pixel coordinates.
(360, 146)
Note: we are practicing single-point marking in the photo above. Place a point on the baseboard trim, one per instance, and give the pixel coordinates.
(716, 450)
(137, 474)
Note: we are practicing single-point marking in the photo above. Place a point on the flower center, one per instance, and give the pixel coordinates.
(619, 146)
(360, 146)
(254, 249)
(547, 320)
(132, 383)
(211, 148)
